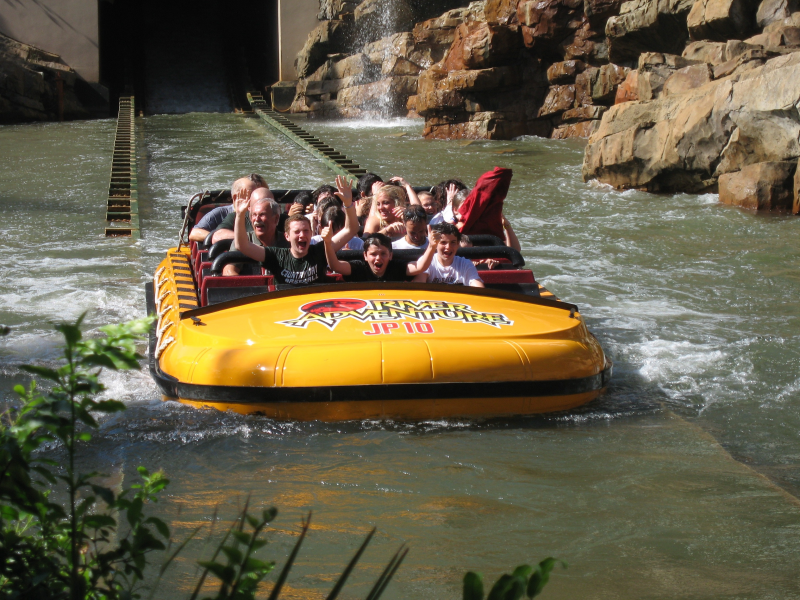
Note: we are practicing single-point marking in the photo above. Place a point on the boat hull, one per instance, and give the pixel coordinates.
(361, 351)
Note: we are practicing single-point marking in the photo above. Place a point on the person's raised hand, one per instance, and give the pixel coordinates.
(395, 229)
(452, 190)
(399, 181)
(241, 205)
(434, 237)
(326, 233)
(398, 212)
(344, 191)
(296, 209)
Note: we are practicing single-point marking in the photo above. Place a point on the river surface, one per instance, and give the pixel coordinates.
(680, 482)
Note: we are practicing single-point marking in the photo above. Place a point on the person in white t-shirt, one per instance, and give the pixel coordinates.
(446, 267)
(416, 222)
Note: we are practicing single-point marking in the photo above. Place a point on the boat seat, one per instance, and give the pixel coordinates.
(198, 260)
(215, 295)
(265, 282)
(528, 289)
(507, 276)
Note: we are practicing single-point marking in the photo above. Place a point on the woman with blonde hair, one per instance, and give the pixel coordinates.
(386, 216)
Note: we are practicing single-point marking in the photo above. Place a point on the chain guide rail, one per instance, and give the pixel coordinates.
(122, 212)
(335, 161)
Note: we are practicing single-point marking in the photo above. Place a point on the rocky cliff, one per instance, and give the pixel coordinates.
(30, 79)
(672, 94)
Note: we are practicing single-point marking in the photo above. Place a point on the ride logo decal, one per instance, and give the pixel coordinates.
(330, 313)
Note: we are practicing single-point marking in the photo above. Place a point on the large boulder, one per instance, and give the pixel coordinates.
(654, 70)
(545, 23)
(329, 37)
(628, 90)
(479, 45)
(720, 19)
(648, 26)
(437, 35)
(565, 71)
(762, 186)
(771, 11)
(688, 78)
(686, 141)
(586, 44)
(712, 53)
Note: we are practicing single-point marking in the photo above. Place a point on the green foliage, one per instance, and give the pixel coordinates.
(77, 550)
(524, 581)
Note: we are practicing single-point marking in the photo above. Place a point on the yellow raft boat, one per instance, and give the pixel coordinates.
(368, 351)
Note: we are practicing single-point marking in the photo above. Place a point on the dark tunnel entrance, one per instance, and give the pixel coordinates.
(179, 56)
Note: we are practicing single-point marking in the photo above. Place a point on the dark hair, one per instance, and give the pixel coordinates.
(447, 229)
(365, 183)
(294, 219)
(415, 214)
(323, 189)
(327, 203)
(440, 191)
(303, 198)
(333, 216)
(377, 239)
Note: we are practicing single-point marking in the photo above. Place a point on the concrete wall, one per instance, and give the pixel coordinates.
(297, 18)
(65, 27)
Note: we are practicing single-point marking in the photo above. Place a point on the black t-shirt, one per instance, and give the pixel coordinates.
(360, 271)
(288, 269)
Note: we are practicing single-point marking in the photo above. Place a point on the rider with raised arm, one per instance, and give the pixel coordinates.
(301, 263)
(377, 264)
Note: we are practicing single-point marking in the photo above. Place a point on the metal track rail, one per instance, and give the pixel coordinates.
(122, 212)
(335, 161)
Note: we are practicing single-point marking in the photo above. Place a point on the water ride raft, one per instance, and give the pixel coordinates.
(343, 351)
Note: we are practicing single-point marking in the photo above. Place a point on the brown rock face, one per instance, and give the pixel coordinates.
(648, 26)
(598, 11)
(687, 141)
(654, 69)
(712, 53)
(480, 45)
(502, 12)
(574, 130)
(584, 83)
(565, 72)
(762, 186)
(628, 90)
(586, 44)
(719, 19)
(545, 23)
(783, 36)
(559, 99)
(583, 113)
(609, 77)
(772, 11)
(687, 78)
(796, 192)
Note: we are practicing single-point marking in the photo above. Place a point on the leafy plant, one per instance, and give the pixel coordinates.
(75, 550)
(524, 581)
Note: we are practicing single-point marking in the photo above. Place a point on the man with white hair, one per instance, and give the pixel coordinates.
(264, 215)
(243, 185)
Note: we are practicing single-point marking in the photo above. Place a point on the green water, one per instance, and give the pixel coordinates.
(678, 483)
